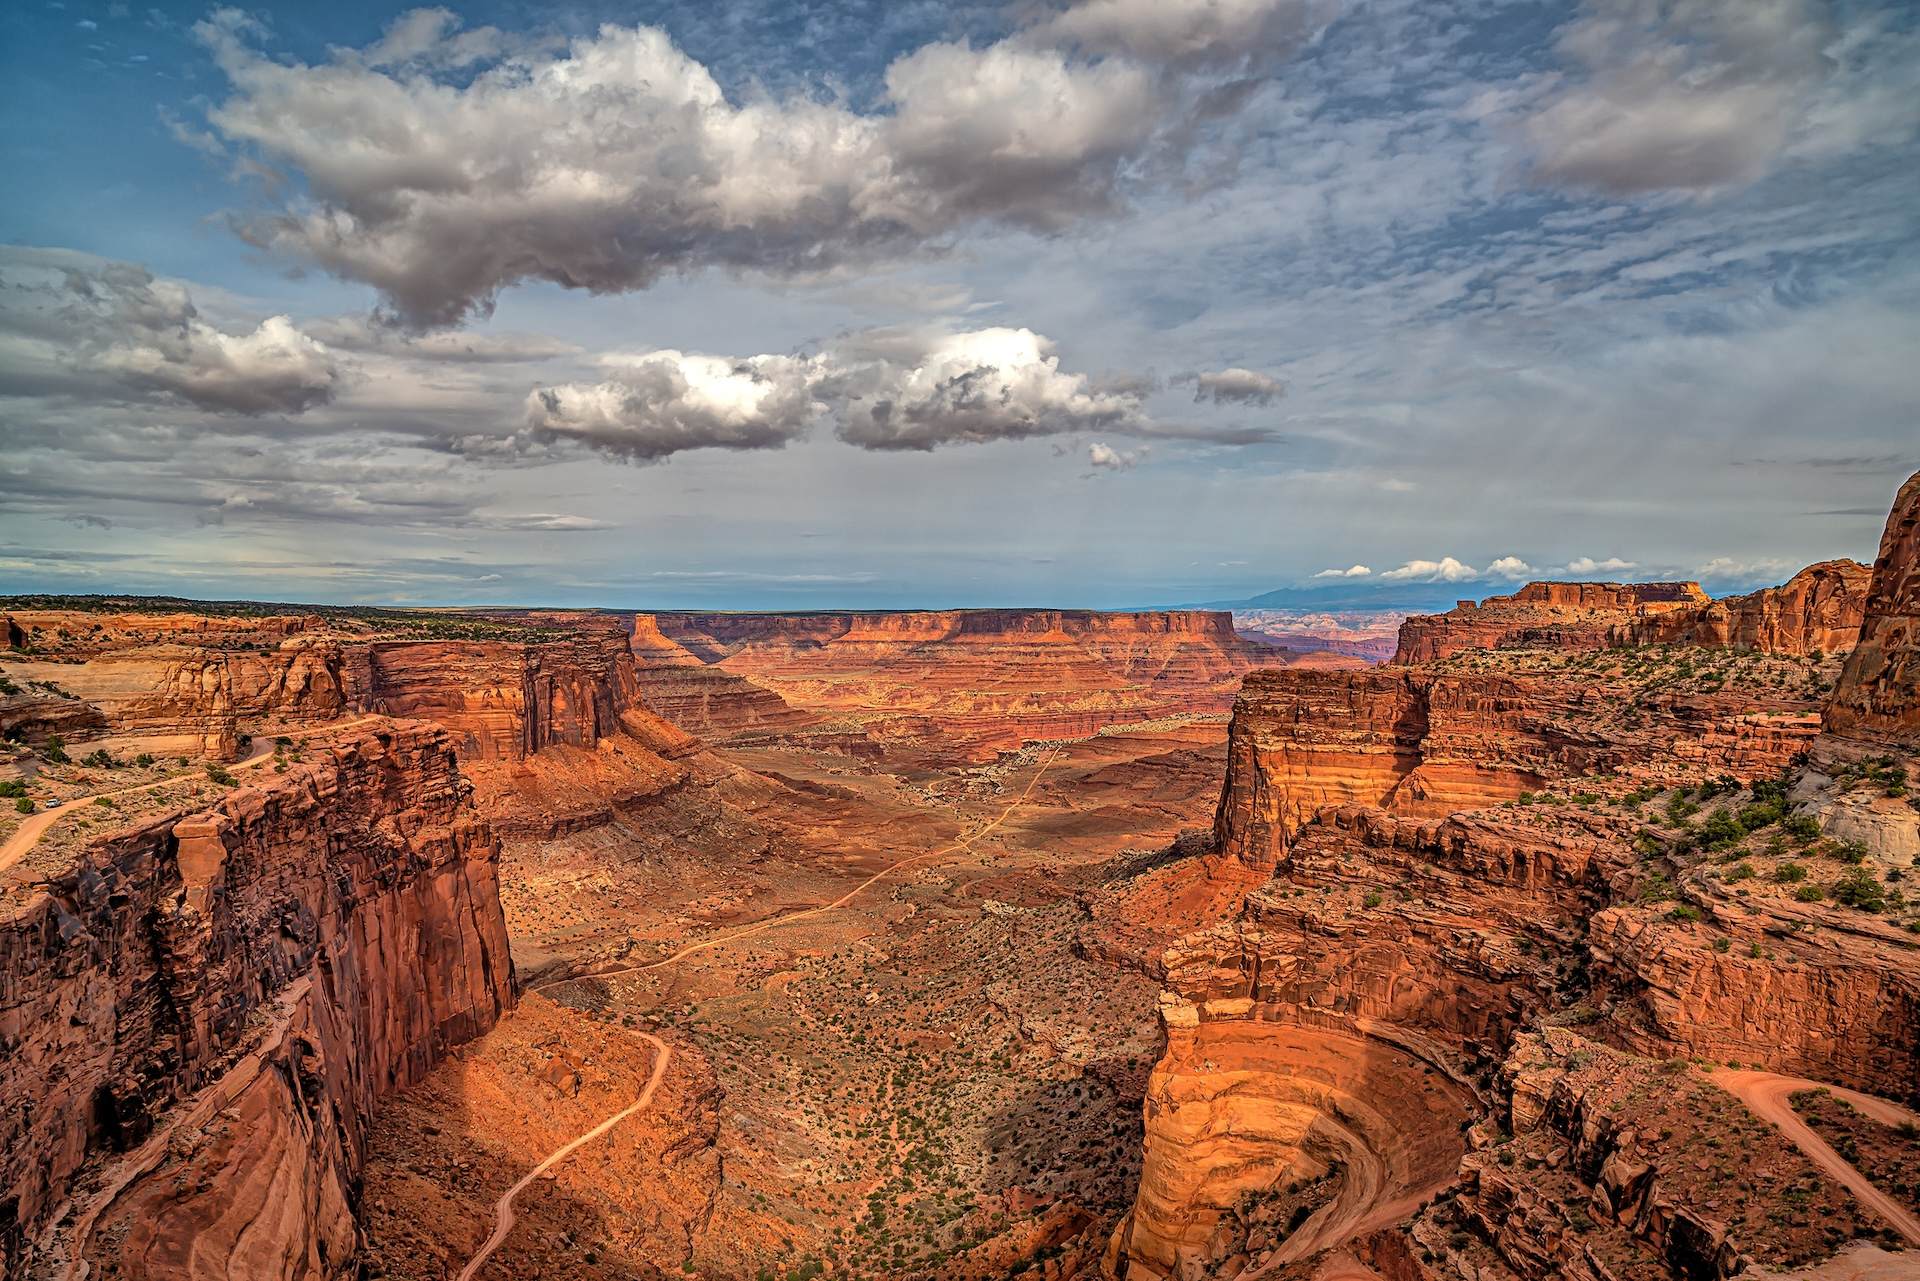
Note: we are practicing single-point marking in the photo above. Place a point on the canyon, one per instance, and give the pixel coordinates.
(965, 944)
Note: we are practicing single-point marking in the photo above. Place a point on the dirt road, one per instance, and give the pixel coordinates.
(1766, 1094)
(503, 1208)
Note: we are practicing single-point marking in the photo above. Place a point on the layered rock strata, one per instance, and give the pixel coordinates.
(972, 682)
(201, 1014)
(1423, 742)
(1878, 694)
(1550, 615)
(1818, 610)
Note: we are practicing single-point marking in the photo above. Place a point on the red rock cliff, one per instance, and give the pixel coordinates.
(973, 682)
(507, 700)
(1428, 743)
(1553, 615)
(1818, 609)
(1878, 694)
(203, 1011)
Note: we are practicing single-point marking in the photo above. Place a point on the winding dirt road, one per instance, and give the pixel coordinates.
(503, 1216)
(1766, 1094)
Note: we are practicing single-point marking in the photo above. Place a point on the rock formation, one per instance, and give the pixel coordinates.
(967, 682)
(1554, 883)
(1549, 615)
(200, 1015)
(1878, 695)
(1819, 609)
(1424, 742)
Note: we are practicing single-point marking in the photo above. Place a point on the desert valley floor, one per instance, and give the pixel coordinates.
(1574, 940)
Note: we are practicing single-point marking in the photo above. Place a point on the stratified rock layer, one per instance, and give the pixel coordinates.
(1550, 615)
(1878, 694)
(1818, 610)
(969, 682)
(1422, 742)
(205, 1009)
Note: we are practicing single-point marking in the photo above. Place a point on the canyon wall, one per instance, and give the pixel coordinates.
(505, 701)
(1553, 615)
(1818, 610)
(202, 1012)
(964, 683)
(1423, 742)
(1878, 694)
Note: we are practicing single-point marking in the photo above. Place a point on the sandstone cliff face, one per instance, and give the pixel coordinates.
(203, 1011)
(1878, 695)
(711, 702)
(967, 683)
(506, 701)
(1553, 615)
(1430, 743)
(1819, 609)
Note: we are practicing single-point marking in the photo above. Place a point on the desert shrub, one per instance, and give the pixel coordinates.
(1788, 873)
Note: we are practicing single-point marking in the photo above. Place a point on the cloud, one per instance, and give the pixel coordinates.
(440, 166)
(367, 334)
(93, 329)
(546, 523)
(1444, 570)
(1509, 567)
(1221, 33)
(1588, 565)
(668, 401)
(1769, 567)
(1233, 386)
(882, 389)
(1110, 459)
(1353, 571)
(1697, 95)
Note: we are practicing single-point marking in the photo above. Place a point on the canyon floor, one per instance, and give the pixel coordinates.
(894, 1052)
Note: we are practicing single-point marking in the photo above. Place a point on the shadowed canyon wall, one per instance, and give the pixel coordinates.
(204, 1010)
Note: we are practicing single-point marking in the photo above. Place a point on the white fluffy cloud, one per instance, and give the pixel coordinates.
(1509, 567)
(1352, 571)
(1588, 565)
(1233, 386)
(882, 389)
(668, 401)
(1444, 570)
(1107, 458)
(620, 159)
(90, 328)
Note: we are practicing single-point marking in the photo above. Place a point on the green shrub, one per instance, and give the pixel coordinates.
(1858, 887)
(1803, 828)
(1809, 893)
(1788, 873)
(1684, 912)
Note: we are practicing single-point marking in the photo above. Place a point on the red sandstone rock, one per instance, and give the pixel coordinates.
(1878, 695)
(1819, 609)
(1552, 615)
(338, 929)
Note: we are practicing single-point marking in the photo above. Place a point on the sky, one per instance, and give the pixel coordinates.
(903, 303)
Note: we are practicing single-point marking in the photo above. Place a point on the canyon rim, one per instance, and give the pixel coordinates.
(1075, 640)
